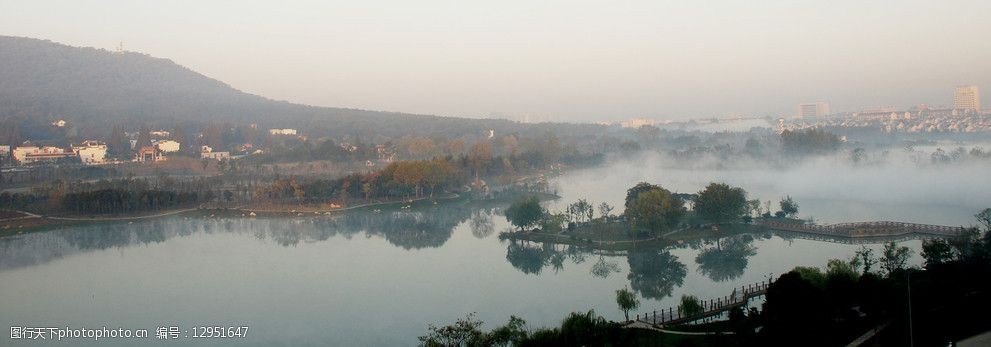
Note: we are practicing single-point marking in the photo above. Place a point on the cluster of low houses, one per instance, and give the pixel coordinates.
(88, 152)
(95, 152)
(889, 120)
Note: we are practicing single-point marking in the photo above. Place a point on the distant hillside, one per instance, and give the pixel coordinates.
(93, 88)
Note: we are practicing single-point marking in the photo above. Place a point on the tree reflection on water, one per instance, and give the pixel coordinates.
(727, 260)
(655, 273)
(431, 227)
(603, 268)
(528, 257)
(481, 223)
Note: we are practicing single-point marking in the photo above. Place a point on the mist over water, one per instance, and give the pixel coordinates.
(832, 189)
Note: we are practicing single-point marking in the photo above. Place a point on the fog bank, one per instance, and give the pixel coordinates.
(831, 189)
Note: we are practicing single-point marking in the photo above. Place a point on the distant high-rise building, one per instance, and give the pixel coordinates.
(967, 98)
(813, 109)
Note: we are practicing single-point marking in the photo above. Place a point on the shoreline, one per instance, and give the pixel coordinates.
(302, 208)
(31, 222)
(27, 222)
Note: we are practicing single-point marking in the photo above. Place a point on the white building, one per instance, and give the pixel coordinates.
(167, 146)
(21, 152)
(215, 155)
(967, 98)
(31, 154)
(813, 109)
(207, 153)
(91, 152)
(286, 131)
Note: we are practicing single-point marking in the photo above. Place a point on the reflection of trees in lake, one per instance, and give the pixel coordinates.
(481, 223)
(527, 257)
(290, 232)
(655, 273)
(556, 261)
(603, 268)
(728, 259)
(532, 257)
(107, 235)
(408, 229)
(576, 254)
(41, 247)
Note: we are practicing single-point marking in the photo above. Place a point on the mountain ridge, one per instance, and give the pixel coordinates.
(91, 88)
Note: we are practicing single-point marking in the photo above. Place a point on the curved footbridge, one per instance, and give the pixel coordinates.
(861, 229)
(675, 315)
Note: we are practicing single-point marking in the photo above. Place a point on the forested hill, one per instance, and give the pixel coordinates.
(92, 88)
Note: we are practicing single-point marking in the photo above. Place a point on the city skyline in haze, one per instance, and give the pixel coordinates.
(577, 61)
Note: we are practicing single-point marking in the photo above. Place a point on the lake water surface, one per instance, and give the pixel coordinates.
(380, 278)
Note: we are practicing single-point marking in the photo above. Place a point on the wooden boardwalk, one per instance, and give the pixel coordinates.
(864, 240)
(674, 315)
(861, 229)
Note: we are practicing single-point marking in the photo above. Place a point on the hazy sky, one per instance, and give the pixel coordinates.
(562, 60)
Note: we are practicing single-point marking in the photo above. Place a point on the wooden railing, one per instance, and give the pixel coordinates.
(862, 229)
(711, 307)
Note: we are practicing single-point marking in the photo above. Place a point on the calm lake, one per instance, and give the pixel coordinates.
(379, 278)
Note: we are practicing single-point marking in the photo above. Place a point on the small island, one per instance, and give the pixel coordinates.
(655, 217)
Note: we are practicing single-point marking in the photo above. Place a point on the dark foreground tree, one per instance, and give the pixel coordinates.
(578, 329)
(794, 310)
(627, 301)
(894, 258)
(937, 252)
(690, 306)
(464, 332)
(984, 217)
